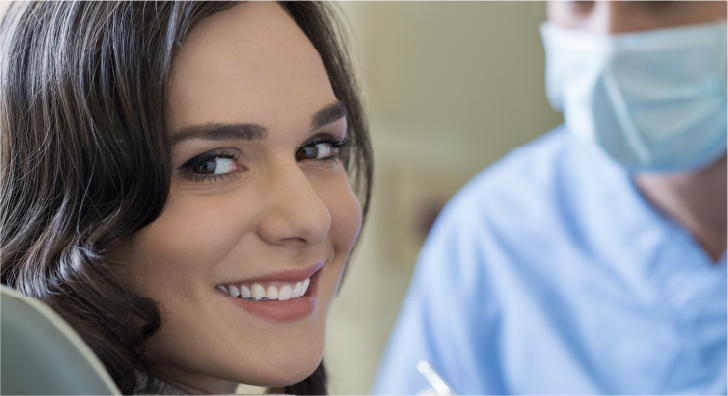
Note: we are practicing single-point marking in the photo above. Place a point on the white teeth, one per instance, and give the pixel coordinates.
(257, 291)
(272, 292)
(286, 292)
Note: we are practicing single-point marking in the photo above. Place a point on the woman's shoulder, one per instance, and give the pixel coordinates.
(151, 385)
(167, 394)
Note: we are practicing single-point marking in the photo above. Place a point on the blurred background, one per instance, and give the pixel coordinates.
(449, 87)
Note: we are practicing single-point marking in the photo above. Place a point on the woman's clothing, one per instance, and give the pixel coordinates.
(166, 394)
(147, 385)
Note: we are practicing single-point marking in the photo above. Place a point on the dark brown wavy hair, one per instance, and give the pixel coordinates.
(84, 154)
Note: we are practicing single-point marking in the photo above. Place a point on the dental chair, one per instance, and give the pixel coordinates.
(40, 354)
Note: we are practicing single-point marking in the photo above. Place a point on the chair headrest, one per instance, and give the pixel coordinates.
(42, 354)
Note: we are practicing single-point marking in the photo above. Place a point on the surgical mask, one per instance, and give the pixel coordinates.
(654, 101)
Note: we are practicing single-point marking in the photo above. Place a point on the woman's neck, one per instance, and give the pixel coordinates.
(696, 200)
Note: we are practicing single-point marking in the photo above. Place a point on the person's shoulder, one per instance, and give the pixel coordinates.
(506, 209)
(229, 394)
(527, 179)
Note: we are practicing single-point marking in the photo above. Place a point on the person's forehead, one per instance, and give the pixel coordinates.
(238, 64)
(628, 16)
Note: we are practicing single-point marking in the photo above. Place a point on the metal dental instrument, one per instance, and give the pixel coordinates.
(434, 378)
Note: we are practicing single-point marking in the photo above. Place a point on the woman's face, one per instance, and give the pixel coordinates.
(259, 203)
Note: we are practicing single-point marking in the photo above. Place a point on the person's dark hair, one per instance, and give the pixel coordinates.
(84, 159)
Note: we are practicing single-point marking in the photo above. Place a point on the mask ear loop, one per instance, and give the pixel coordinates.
(630, 131)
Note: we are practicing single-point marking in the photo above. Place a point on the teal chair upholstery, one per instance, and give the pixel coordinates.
(40, 354)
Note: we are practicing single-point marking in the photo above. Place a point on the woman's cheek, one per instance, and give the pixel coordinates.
(190, 237)
(345, 212)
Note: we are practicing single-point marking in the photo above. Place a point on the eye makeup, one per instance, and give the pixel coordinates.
(211, 166)
(322, 148)
(217, 164)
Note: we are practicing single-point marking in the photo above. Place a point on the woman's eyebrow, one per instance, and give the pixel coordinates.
(328, 114)
(221, 132)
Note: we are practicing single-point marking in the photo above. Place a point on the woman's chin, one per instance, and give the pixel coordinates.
(284, 363)
(286, 373)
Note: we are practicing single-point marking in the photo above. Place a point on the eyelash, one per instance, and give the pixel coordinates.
(335, 142)
(186, 168)
(209, 156)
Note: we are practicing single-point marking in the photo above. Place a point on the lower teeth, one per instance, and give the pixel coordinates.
(257, 299)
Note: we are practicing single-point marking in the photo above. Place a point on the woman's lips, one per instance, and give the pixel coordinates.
(277, 310)
(270, 298)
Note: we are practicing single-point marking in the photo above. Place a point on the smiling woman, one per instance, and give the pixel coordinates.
(183, 183)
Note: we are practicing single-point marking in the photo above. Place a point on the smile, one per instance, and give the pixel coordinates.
(267, 290)
(276, 297)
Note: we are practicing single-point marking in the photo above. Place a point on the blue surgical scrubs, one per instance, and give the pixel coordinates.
(549, 273)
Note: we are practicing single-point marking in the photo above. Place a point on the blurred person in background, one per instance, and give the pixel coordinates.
(593, 260)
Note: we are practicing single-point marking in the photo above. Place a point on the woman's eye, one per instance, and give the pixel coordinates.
(317, 151)
(216, 166)
(211, 166)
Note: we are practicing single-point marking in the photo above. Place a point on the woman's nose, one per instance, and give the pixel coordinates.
(615, 17)
(294, 215)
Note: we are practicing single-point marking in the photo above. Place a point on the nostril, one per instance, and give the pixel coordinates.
(293, 242)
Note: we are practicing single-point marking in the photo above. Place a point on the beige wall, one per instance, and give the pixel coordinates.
(450, 87)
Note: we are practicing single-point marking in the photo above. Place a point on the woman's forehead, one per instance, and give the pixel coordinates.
(249, 64)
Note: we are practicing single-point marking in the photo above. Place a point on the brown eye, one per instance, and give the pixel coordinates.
(205, 168)
(319, 151)
(212, 165)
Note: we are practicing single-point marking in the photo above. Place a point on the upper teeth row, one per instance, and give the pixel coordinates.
(257, 291)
